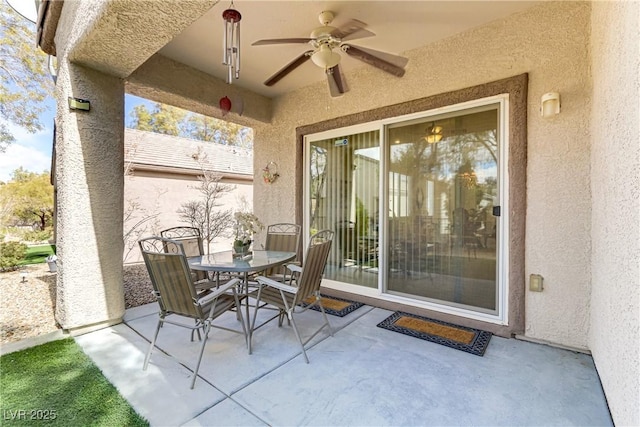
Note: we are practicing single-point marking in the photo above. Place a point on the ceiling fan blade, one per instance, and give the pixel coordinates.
(352, 30)
(288, 68)
(280, 41)
(376, 58)
(398, 61)
(334, 78)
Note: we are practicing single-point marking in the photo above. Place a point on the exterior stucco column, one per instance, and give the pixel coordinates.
(90, 187)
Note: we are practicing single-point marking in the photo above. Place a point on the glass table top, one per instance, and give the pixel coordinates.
(225, 261)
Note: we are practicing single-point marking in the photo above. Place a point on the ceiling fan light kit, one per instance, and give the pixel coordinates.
(325, 58)
(324, 40)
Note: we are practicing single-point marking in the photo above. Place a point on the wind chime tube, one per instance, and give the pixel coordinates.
(237, 50)
(224, 44)
(232, 50)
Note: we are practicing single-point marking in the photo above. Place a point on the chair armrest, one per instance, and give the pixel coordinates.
(208, 284)
(295, 268)
(270, 282)
(215, 293)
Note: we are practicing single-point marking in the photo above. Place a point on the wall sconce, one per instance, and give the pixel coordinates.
(550, 104)
(434, 134)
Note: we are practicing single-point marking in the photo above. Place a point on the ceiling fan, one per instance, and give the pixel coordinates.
(324, 40)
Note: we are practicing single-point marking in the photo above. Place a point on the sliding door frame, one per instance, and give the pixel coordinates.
(514, 159)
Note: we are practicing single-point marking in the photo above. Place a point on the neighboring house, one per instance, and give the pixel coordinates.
(162, 174)
(567, 184)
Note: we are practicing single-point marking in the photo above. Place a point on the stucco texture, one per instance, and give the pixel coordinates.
(550, 43)
(89, 180)
(614, 338)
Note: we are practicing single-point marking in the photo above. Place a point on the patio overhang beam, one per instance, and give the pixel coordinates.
(47, 24)
(164, 80)
(119, 36)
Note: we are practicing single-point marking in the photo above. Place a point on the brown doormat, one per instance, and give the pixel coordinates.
(469, 340)
(333, 305)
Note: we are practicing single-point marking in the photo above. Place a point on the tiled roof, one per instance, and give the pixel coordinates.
(148, 148)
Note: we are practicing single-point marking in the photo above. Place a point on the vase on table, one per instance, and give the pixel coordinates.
(241, 249)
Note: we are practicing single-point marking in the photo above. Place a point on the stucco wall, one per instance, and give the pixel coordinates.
(550, 42)
(614, 338)
(89, 162)
(163, 194)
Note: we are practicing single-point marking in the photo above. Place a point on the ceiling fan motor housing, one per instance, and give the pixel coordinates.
(325, 17)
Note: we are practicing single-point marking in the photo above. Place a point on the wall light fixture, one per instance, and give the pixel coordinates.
(550, 104)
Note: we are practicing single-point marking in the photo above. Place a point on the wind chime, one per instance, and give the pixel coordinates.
(231, 40)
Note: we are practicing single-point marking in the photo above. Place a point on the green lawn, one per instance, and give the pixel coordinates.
(57, 384)
(37, 254)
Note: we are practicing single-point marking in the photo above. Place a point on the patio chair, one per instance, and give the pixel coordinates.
(191, 242)
(176, 293)
(287, 297)
(283, 237)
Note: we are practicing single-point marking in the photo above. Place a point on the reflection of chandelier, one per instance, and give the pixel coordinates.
(231, 41)
(434, 134)
(469, 179)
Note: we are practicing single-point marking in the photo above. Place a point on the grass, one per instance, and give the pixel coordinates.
(37, 254)
(57, 384)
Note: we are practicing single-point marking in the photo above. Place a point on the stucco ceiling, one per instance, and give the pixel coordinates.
(399, 27)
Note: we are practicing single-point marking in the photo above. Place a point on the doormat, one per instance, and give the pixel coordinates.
(469, 340)
(333, 305)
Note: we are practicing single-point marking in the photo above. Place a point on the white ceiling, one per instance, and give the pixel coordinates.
(399, 26)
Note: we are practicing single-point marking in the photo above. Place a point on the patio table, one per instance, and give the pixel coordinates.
(225, 262)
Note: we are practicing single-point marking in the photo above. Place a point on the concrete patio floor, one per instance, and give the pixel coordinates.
(362, 376)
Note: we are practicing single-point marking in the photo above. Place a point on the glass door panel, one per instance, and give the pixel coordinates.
(344, 178)
(442, 184)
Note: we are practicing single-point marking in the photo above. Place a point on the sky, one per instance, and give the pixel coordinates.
(32, 151)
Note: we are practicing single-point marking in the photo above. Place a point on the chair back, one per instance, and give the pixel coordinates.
(170, 276)
(315, 261)
(283, 237)
(189, 237)
(191, 243)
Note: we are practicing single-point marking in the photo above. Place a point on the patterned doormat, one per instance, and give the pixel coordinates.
(333, 305)
(469, 340)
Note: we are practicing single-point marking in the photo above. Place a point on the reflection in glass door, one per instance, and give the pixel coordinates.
(442, 186)
(343, 196)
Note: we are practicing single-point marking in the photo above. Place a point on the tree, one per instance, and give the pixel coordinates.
(137, 223)
(210, 129)
(32, 198)
(141, 118)
(24, 82)
(137, 220)
(164, 119)
(205, 213)
(175, 121)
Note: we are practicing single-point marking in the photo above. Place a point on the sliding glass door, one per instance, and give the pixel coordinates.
(343, 196)
(415, 206)
(442, 188)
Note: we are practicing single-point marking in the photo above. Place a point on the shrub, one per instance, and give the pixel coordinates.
(11, 253)
(38, 235)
